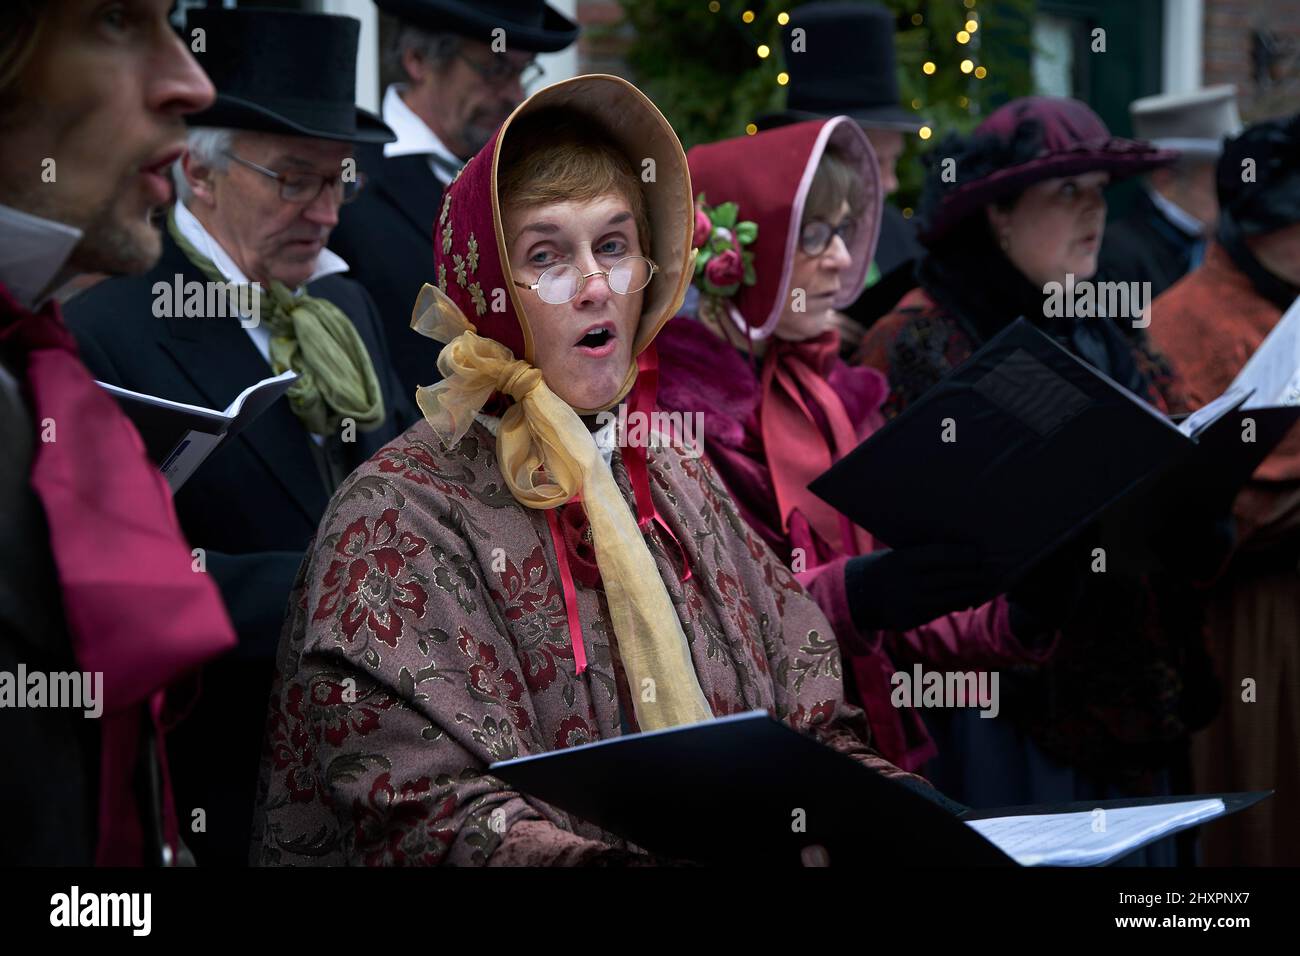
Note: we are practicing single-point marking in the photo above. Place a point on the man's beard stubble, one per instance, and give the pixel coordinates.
(114, 246)
(479, 130)
(109, 244)
(475, 136)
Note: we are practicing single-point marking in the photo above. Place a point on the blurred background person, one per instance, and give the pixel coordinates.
(1209, 324)
(846, 66)
(1165, 234)
(459, 85)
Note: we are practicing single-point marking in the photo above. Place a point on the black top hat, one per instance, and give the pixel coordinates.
(846, 68)
(281, 71)
(530, 25)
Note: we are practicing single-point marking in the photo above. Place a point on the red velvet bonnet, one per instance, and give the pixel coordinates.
(470, 248)
(768, 176)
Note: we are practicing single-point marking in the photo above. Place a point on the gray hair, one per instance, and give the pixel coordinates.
(209, 145)
(436, 48)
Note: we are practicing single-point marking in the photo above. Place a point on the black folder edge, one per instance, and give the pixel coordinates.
(1027, 564)
(1193, 483)
(1274, 424)
(206, 420)
(1232, 802)
(938, 813)
(597, 745)
(1152, 482)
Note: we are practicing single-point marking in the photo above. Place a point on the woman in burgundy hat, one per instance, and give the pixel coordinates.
(1013, 207)
(786, 224)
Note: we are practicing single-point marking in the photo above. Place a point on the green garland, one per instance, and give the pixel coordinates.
(703, 70)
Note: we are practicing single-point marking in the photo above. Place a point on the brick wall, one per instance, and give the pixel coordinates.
(1255, 45)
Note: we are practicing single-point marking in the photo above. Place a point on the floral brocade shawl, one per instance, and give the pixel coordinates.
(427, 638)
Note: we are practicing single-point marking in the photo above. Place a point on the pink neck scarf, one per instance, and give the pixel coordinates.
(136, 610)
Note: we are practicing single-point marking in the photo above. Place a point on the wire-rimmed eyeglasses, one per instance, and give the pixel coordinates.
(562, 282)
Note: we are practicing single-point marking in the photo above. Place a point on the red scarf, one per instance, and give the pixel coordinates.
(806, 430)
(136, 610)
(568, 527)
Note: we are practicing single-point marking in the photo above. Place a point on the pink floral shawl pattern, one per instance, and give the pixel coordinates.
(427, 638)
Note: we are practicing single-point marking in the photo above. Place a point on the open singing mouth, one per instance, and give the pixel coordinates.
(596, 337)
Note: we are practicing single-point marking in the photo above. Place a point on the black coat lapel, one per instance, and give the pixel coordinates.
(409, 184)
(220, 359)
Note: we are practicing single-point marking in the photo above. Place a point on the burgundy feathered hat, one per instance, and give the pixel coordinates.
(1023, 142)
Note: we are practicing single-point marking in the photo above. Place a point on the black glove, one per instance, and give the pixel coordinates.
(1049, 593)
(897, 590)
(1195, 546)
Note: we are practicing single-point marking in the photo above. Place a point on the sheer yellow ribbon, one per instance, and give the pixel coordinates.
(547, 455)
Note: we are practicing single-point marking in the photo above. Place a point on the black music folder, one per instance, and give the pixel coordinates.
(1206, 482)
(1024, 446)
(729, 791)
(736, 790)
(180, 437)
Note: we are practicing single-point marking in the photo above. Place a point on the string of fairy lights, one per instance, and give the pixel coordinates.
(967, 36)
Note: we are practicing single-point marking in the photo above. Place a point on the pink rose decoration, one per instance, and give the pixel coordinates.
(725, 269)
(702, 228)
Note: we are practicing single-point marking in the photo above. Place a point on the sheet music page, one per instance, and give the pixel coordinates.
(234, 408)
(1089, 838)
(118, 391)
(1206, 415)
(1274, 370)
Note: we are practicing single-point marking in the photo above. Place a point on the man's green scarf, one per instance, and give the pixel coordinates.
(336, 379)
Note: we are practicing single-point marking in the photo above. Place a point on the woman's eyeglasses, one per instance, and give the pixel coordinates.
(562, 282)
(816, 235)
(303, 188)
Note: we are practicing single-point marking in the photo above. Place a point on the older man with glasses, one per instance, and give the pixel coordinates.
(465, 70)
(260, 186)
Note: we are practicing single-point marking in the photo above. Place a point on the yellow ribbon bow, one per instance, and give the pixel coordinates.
(547, 455)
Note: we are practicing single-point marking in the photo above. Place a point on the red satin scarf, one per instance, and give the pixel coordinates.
(568, 528)
(795, 440)
(136, 610)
